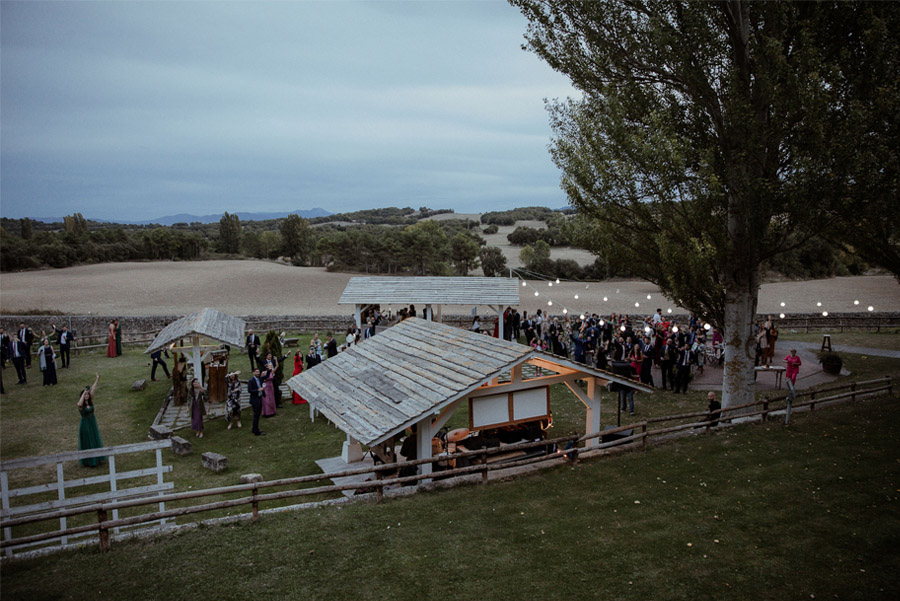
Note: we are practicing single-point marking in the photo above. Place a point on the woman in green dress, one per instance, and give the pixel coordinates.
(88, 432)
(118, 339)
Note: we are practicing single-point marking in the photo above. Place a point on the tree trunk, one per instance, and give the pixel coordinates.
(738, 386)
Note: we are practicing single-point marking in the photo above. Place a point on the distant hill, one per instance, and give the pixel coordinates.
(188, 218)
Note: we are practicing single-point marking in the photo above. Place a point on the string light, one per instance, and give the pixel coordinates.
(707, 327)
(675, 329)
(647, 330)
(856, 302)
(576, 297)
(824, 313)
(622, 328)
(581, 316)
(781, 315)
(637, 304)
(648, 297)
(818, 304)
(557, 280)
(605, 298)
(782, 303)
(565, 311)
(536, 292)
(871, 308)
(602, 322)
(550, 284)
(669, 310)
(549, 303)
(523, 284)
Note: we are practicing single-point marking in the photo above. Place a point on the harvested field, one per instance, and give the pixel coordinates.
(267, 288)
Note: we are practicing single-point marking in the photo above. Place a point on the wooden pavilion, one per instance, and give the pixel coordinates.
(418, 372)
(430, 292)
(207, 323)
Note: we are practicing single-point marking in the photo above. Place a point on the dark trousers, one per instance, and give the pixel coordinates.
(165, 367)
(254, 361)
(257, 410)
(28, 355)
(681, 379)
(667, 374)
(64, 354)
(19, 363)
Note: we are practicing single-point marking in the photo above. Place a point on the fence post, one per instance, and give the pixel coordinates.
(104, 531)
(812, 405)
(484, 470)
(644, 435)
(379, 489)
(853, 390)
(765, 411)
(255, 504)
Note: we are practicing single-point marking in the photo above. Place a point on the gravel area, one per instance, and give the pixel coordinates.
(267, 288)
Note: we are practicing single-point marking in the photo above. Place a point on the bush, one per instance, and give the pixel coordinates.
(491, 229)
(831, 363)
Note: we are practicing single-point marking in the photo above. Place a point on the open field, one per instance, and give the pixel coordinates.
(267, 288)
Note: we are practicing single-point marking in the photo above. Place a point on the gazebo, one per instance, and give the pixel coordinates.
(431, 292)
(418, 372)
(208, 323)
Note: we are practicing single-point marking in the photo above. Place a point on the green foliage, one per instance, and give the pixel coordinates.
(229, 234)
(536, 257)
(272, 345)
(522, 214)
(491, 229)
(296, 238)
(464, 252)
(25, 229)
(493, 262)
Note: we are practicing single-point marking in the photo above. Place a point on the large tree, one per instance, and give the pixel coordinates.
(296, 237)
(704, 136)
(229, 234)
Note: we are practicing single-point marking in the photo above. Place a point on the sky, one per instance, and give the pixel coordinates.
(135, 110)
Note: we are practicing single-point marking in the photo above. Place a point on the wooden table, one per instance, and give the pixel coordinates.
(777, 369)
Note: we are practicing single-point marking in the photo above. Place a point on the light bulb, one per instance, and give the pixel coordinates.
(557, 280)
(648, 297)
(824, 313)
(637, 304)
(576, 297)
(549, 303)
(602, 322)
(818, 304)
(707, 327)
(523, 284)
(647, 330)
(782, 303)
(565, 311)
(871, 308)
(675, 328)
(622, 328)
(550, 284)
(535, 292)
(605, 299)
(669, 310)
(781, 316)
(856, 302)
(581, 316)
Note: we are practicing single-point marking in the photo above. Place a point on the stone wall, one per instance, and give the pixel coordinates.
(91, 329)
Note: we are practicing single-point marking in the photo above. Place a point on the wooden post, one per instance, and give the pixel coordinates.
(853, 389)
(484, 463)
(765, 411)
(255, 504)
(104, 532)
(379, 489)
(61, 495)
(812, 397)
(644, 435)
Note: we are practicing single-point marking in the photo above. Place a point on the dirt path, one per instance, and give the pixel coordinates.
(264, 288)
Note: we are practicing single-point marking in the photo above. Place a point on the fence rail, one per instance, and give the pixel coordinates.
(640, 434)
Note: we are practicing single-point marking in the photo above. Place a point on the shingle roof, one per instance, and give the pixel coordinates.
(207, 322)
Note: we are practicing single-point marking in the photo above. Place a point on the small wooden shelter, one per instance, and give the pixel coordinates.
(208, 323)
(419, 371)
(430, 292)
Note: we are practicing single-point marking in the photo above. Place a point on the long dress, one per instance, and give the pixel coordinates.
(89, 436)
(111, 345)
(233, 402)
(268, 400)
(198, 410)
(298, 368)
(48, 365)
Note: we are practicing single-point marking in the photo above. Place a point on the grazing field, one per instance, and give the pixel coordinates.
(269, 288)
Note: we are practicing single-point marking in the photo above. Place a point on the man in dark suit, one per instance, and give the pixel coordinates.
(253, 387)
(253, 349)
(331, 346)
(158, 361)
(26, 337)
(64, 337)
(17, 354)
(683, 371)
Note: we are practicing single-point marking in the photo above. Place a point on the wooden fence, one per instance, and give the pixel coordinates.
(640, 435)
(65, 502)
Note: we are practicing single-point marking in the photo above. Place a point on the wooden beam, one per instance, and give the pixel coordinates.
(538, 382)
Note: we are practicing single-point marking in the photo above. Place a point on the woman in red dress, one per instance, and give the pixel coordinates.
(298, 368)
(111, 346)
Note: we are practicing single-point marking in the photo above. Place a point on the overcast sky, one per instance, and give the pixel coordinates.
(135, 110)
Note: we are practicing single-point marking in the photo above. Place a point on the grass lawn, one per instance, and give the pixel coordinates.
(886, 339)
(751, 512)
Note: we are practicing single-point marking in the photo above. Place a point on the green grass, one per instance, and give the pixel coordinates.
(886, 339)
(748, 513)
(810, 510)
